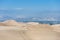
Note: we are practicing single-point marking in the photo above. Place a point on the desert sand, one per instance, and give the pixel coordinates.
(12, 30)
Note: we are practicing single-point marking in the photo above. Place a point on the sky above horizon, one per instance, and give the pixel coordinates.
(30, 8)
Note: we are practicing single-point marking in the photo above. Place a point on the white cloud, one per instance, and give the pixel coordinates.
(45, 19)
(34, 18)
(50, 19)
(18, 8)
(21, 16)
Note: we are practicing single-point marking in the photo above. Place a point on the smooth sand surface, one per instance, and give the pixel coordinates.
(16, 33)
(11, 30)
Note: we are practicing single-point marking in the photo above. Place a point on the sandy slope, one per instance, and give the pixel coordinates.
(56, 27)
(28, 35)
(12, 30)
(37, 33)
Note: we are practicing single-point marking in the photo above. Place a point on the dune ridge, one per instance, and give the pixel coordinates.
(12, 30)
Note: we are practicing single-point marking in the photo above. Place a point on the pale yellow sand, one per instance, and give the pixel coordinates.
(28, 35)
(12, 30)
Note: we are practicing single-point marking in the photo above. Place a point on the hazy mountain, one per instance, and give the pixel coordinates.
(29, 18)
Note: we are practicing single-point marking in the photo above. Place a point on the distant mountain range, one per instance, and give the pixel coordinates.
(28, 19)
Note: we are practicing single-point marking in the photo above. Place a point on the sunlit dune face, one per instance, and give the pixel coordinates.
(2, 24)
(56, 27)
(28, 31)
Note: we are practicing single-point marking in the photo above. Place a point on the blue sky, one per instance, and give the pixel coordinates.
(30, 8)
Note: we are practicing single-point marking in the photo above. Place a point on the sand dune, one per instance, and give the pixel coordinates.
(13, 23)
(33, 23)
(12, 30)
(2, 24)
(28, 34)
(56, 27)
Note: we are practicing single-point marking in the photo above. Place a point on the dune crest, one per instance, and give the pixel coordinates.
(12, 23)
(13, 30)
(56, 27)
(33, 23)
